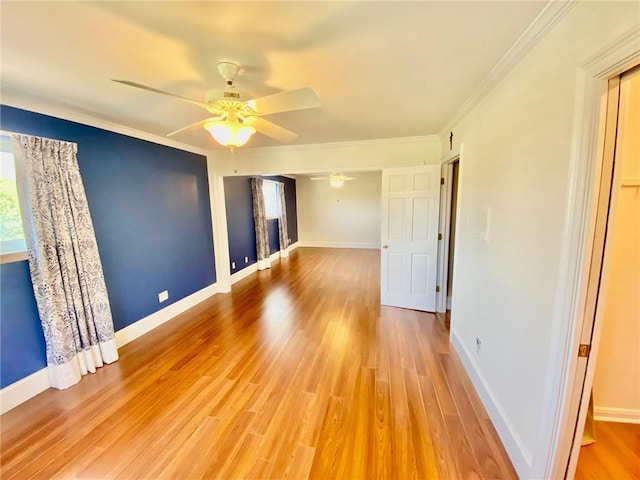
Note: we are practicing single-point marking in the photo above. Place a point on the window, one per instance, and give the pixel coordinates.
(12, 243)
(271, 198)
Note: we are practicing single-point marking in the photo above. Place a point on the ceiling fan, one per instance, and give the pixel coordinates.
(236, 114)
(336, 179)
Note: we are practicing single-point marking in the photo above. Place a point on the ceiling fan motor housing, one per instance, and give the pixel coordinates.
(229, 94)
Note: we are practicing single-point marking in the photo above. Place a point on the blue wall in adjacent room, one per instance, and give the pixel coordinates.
(151, 213)
(274, 235)
(240, 226)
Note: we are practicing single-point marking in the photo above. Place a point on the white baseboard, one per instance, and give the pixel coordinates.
(339, 244)
(513, 444)
(148, 323)
(246, 271)
(24, 389)
(618, 415)
(28, 387)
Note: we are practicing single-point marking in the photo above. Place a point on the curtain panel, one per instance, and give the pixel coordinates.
(64, 262)
(260, 220)
(283, 229)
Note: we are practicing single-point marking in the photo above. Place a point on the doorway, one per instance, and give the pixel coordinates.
(455, 165)
(611, 327)
(449, 199)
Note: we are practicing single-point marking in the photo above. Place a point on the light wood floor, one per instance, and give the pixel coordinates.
(614, 455)
(298, 373)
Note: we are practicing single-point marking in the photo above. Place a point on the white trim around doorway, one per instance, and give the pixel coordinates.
(442, 302)
(553, 446)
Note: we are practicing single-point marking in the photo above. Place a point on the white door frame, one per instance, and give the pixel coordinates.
(563, 388)
(445, 224)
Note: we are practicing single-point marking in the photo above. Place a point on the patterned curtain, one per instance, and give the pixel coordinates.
(260, 220)
(283, 230)
(63, 259)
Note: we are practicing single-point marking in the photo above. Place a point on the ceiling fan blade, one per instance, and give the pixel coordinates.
(297, 99)
(161, 92)
(319, 178)
(272, 130)
(193, 125)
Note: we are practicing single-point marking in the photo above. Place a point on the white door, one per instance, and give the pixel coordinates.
(410, 201)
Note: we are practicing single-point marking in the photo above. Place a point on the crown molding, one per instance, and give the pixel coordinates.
(19, 99)
(552, 13)
(16, 98)
(339, 145)
(624, 49)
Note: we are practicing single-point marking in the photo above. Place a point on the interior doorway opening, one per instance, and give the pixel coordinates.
(611, 325)
(449, 199)
(455, 166)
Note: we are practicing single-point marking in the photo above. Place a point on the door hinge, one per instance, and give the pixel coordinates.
(437, 288)
(441, 180)
(584, 350)
(439, 236)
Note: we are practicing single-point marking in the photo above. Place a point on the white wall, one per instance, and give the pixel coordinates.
(340, 217)
(328, 217)
(512, 197)
(616, 388)
(347, 156)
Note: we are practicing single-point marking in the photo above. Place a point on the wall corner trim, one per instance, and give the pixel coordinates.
(513, 444)
(550, 15)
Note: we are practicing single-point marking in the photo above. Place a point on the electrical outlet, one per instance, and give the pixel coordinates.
(163, 296)
(478, 345)
(246, 259)
(233, 264)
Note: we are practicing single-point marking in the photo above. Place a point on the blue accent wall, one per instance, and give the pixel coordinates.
(151, 213)
(240, 225)
(22, 349)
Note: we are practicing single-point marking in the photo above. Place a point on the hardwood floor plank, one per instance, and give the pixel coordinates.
(420, 428)
(383, 446)
(403, 450)
(297, 373)
(615, 454)
(443, 450)
(330, 442)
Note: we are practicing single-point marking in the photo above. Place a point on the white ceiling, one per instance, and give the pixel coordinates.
(381, 69)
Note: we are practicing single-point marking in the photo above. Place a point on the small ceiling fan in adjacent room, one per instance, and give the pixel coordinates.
(236, 114)
(336, 179)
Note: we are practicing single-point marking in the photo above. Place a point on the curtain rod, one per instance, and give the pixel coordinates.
(9, 133)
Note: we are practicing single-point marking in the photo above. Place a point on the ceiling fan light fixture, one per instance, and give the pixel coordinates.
(336, 181)
(229, 134)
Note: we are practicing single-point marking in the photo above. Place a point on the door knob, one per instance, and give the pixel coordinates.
(385, 246)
